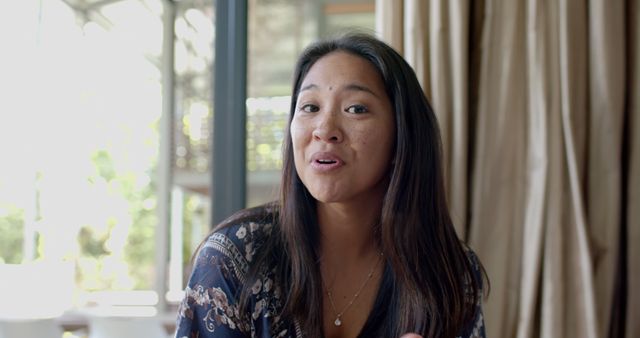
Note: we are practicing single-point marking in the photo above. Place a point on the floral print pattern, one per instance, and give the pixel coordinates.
(210, 305)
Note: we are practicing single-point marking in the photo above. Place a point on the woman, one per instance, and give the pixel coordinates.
(360, 243)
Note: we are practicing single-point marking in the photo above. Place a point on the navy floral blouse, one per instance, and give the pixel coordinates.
(210, 308)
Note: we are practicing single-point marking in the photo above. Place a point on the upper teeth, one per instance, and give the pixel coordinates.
(325, 161)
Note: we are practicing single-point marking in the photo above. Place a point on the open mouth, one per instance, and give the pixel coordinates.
(326, 161)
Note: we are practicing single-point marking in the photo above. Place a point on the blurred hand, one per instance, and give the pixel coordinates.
(411, 335)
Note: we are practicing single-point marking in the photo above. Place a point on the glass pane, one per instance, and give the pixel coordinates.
(79, 137)
(194, 56)
(274, 45)
(194, 73)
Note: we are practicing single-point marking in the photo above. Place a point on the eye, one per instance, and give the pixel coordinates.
(309, 108)
(356, 109)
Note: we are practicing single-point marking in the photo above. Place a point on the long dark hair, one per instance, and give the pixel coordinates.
(429, 282)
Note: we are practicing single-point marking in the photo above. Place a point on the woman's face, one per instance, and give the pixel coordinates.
(343, 130)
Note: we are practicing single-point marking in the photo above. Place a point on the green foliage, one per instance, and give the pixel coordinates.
(264, 137)
(141, 241)
(192, 210)
(92, 244)
(188, 229)
(11, 229)
(104, 165)
(138, 254)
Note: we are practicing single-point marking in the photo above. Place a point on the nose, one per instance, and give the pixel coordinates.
(328, 129)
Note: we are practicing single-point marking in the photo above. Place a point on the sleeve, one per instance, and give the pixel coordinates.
(475, 328)
(209, 308)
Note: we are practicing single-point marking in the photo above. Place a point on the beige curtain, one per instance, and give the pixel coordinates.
(539, 105)
(633, 178)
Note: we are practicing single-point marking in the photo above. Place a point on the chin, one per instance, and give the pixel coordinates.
(323, 198)
(326, 197)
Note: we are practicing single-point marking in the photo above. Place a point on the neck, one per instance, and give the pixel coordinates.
(349, 263)
(347, 229)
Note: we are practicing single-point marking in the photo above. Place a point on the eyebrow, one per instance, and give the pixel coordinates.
(349, 87)
(308, 87)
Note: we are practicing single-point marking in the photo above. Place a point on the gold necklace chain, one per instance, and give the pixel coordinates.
(338, 315)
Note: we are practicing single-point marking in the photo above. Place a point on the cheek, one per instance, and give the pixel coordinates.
(377, 144)
(297, 133)
(296, 128)
(372, 136)
(296, 138)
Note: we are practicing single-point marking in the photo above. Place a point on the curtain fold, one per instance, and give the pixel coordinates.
(607, 84)
(448, 80)
(498, 166)
(632, 327)
(531, 97)
(539, 87)
(578, 318)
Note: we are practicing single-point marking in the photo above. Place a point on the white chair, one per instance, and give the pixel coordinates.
(126, 327)
(30, 328)
(32, 296)
(35, 290)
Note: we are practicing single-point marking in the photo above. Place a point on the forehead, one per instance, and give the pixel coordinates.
(339, 67)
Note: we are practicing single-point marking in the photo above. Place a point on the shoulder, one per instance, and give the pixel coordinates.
(246, 230)
(238, 239)
(474, 262)
(211, 304)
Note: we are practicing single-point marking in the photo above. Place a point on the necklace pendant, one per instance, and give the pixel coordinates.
(338, 322)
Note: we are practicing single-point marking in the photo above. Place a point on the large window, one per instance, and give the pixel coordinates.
(192, 132)
(81, 88)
